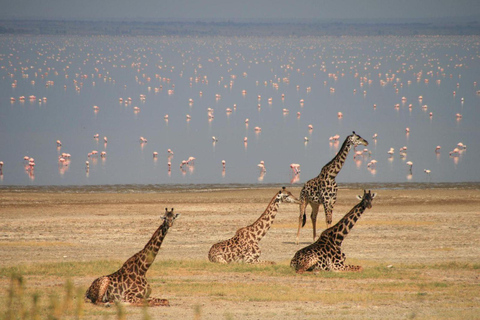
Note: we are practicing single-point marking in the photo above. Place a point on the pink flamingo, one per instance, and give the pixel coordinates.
(223, 164)
(372, 164)
(437, 149)
(295, 168)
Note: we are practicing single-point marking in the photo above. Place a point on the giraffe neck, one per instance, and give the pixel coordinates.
(260, 227)
(148, 254)
(331, 169)
(341, 229)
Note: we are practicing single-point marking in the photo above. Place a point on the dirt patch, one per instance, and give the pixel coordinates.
(425, 226)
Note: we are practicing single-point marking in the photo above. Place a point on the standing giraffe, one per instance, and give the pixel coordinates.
(129, 284)
(323, 188)
(326, 253)
(243, 247)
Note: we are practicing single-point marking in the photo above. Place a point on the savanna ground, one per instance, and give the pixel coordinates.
(420, 250)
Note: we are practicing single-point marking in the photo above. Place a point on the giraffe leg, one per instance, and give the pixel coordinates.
(136, 301)
(315, 207)
(328, 207)
(303, 263)
(347, 268)
(301, 217)
(97, 290)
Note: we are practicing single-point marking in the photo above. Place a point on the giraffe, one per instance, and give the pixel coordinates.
(243, 247)
(326, 253)
(129, 284)
(323, 188)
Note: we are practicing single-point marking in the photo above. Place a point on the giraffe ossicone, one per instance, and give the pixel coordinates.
(129, 283)
(243, 246)
(326, 254)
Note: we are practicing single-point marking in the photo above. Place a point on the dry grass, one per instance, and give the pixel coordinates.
(432, 289)
(419, 250)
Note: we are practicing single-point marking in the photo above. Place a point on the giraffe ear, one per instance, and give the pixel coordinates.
(176, 216)
(359, 197)
(374, 195)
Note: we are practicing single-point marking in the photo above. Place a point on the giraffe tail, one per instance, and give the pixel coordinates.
(304, 219)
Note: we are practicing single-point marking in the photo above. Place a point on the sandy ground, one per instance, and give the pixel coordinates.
(424, 226)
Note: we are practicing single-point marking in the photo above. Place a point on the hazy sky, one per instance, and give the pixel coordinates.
(239, 9)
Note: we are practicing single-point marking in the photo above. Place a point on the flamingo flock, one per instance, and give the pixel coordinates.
(259, 88)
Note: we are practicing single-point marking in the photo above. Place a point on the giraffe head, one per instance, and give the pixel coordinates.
(286, 196)
(367, 198)
(169, 217)
(355, 139)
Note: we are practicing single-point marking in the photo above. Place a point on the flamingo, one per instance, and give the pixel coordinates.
(155, 154)
(410, 164)
(223, 164)
(372, 164)
(261, 165)
(427, 171)
(437, 149)
(59, 143)
(170, 152)
(295, 168)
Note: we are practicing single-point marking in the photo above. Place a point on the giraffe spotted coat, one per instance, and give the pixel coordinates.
(129, 284)
(326, 253)
(322, 190)
(243, 247)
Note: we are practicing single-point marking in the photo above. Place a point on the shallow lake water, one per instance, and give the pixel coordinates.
(122, 88)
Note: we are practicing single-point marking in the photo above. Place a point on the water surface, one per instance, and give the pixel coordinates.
(375, 82)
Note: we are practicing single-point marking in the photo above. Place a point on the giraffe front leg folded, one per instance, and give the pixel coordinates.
(97, 292)
(136, 301)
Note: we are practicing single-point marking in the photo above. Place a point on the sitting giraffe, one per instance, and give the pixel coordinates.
(243, 247)
(322, 190)
(129, 284)
(326, 253)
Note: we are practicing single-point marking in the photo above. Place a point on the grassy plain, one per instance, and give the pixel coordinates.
(419, 249)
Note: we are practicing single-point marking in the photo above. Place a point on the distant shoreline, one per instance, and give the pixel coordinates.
(241, 29)
(152, 188)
